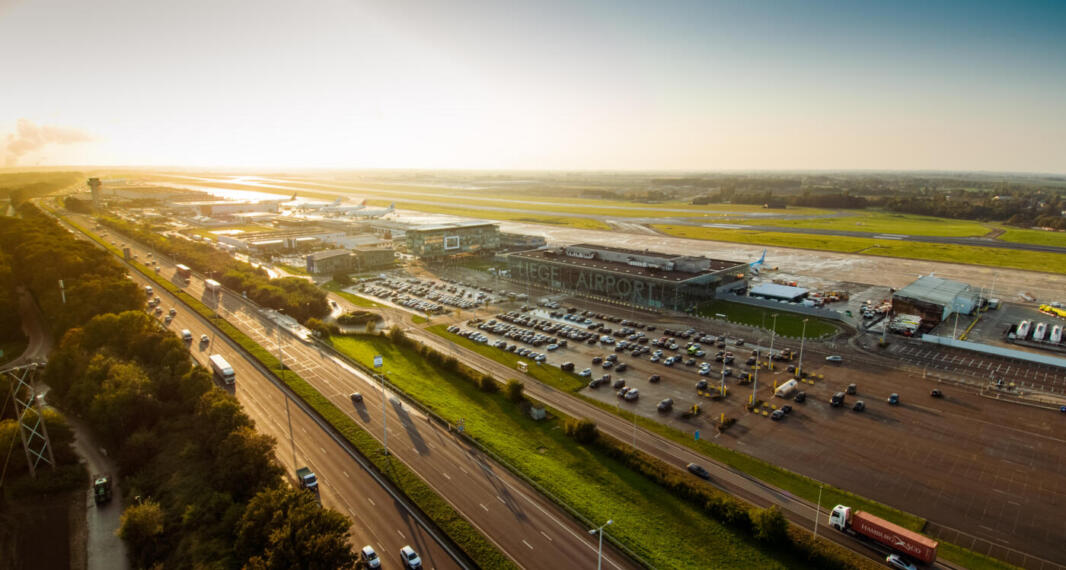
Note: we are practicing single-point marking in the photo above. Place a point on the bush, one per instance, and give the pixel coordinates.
(583, 430)
(770, 525)
(514, 389)
(342, 278)
(488, 384)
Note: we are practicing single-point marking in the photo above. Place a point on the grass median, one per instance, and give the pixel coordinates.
(468, 538)
(665, 531)
(788, 324)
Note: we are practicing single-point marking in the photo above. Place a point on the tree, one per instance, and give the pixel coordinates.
(583, 430)
(286, 528)
(513, 389)
(244, 463)
(140, 527)
(770, 525)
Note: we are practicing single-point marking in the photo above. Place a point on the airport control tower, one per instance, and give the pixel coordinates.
(94, 187)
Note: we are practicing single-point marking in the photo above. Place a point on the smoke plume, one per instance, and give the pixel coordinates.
(29, 137)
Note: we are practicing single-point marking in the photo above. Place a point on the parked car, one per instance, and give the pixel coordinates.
(654, 378)
(665, 405)
(585, 373)
(631, 395)
(698, 471)
(777, 415)
(859, 406)
(800, 397)
(834, 358)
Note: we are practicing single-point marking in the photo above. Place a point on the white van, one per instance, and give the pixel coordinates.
(186, 335)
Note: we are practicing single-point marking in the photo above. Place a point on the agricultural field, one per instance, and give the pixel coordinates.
(949, 253)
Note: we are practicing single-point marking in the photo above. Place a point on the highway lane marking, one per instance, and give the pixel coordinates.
(545, 535)
(527, 544)
(346, 474)
(446, 476)
(372, 501)
(401, 534)
(484, 507)
(323, 450)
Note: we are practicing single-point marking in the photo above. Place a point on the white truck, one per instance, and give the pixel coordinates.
(212, 285)
(223, 371)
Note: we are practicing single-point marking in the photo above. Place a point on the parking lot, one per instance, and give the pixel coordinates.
(983, 471)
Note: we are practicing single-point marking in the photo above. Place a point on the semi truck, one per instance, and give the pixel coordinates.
(222, 369)
(907, 542)
(183, 271)
(307, 479)
(212, 285)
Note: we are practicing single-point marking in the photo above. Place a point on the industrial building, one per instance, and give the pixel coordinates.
(777, 292)
(443, 240)
(216, 208)
(641, 278)
(361, 259)
(278, 241)
(934, 299)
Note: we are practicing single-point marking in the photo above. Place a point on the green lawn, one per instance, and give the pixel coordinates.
(883, 222)
(950, 253)
(1036, 237)
(356, 300)
(653, 523)
(293, 269)
(788, 324)
(550, 375)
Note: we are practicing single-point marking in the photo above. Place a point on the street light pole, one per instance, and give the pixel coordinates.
(818, 511)
(599, 553)
(773, 333)
(384, 416)
(803, 340)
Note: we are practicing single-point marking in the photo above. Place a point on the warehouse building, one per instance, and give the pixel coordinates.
(443, 240)
(361, 259)
(777, 292)
(640, 278)
(934, 299)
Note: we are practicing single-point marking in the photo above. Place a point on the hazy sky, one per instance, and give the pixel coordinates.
(703, 85)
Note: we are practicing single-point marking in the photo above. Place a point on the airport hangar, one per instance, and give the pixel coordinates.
(640, 278)
(934, 299)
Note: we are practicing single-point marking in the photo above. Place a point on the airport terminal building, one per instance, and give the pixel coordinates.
(640, 278)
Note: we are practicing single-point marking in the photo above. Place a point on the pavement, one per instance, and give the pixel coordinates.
(105, 549)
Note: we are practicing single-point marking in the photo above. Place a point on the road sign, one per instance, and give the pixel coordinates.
(378, 361)
(697, 435)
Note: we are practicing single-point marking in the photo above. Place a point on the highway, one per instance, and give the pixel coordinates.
(379, 518)
(528, 527)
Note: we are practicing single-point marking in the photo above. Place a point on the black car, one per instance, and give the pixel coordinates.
(597, 359)
(936, 393)
(356, 397)
(654, 378)
(786, 409)
(859, 406)
(698, 471)
(622, 366)
(800, 397)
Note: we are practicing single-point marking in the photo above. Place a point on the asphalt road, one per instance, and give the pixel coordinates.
(528, 527)
(105, 550)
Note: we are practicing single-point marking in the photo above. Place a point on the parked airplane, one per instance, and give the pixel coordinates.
(756, 266)
(372, 213)
(344, 210)
(300, 204)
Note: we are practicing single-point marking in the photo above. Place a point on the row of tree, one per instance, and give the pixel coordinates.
(297, 297)
(208, 490)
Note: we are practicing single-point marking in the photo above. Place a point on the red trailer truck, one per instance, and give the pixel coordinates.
(907, 542)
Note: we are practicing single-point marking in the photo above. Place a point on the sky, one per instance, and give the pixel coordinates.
(539, 85)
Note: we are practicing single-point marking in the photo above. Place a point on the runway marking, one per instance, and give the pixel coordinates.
(545, 535)
(527, 544)
(484, 507)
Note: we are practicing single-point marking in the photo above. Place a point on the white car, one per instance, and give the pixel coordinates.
(834, 358)
(410, 558)
(370, 558)
(631, 395)
(585, 373)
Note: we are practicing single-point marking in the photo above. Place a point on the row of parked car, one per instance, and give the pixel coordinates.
(477, 336)
(547, 326)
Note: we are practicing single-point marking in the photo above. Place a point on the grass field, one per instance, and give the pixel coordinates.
(885, 223)
(666, 531)
(950, 253)
(1036, 237)
(788, 324)
(293, 269)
